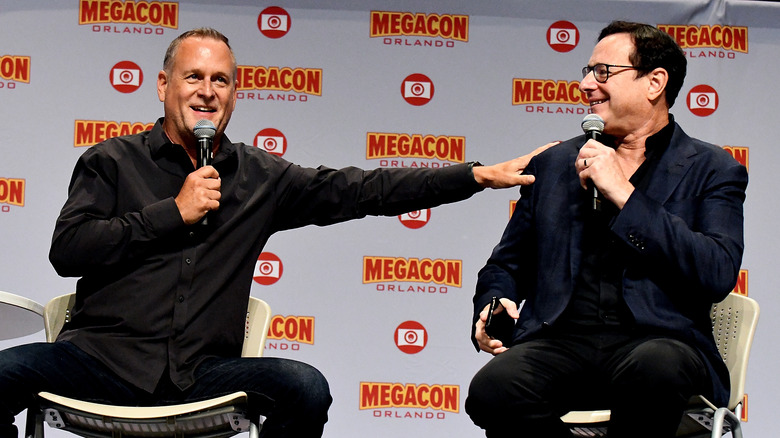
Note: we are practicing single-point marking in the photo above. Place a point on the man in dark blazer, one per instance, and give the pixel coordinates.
(615, 302)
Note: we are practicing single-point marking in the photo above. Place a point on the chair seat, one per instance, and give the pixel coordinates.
(217, 417)
(586, 417)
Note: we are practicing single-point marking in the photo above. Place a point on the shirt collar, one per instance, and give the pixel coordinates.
(160, 144)
(658, 142)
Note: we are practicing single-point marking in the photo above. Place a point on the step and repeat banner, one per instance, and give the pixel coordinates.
(381, 305)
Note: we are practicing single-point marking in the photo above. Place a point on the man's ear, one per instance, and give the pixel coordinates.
(658, 79)
(162, 85)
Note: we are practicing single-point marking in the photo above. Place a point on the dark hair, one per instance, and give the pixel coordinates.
(201, 32)
(653, 48)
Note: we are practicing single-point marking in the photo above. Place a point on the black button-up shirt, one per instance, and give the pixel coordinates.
(155, 293)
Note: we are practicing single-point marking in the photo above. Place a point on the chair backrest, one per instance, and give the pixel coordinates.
(734, 323)
(56, 313)
(258, 319)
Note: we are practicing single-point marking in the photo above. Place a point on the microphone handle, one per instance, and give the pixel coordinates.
(596, 206)
(204, 159)
(204, 151)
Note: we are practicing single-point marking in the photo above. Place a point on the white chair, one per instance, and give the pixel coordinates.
(734, 323)
(218, 417)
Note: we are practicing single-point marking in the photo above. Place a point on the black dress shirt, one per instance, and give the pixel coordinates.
(155, 294)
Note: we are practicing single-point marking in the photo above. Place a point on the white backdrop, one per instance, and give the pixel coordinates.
(492, 79)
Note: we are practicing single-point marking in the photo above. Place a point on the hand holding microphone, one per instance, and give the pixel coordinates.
(593, 126)
(200, 192)
(606, 164)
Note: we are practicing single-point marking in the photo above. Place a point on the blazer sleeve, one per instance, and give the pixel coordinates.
(694, 239)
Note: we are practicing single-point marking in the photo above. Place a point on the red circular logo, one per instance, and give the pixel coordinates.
(268, 269)
(417, 89)
(563, 36)
(415, 219)
(274, 22)
(410, 337)
(126, 77)
(272, 141)
(702, 100)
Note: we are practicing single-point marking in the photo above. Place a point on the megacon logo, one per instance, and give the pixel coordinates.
(709, 41)
(14, 69)
(740, 153)
(390, 273)
(410, 337)
(90, 132)
(702, 100)
(129, 17)
(11, 193)
(272, 141)
(563, 36)
(417, 89)
(286, 84)
(549, 96)
(741, 288)
(396, 400)
(415, 219)
(289, 332)
(414, 150)
(268, 269)
(274, 22)
(126, 76)
(419, 29)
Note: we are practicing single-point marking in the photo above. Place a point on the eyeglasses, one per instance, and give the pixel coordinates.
(601, 71)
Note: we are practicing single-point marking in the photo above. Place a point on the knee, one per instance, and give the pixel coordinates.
(661, 364)
(488, 394)
(485, 386)
(311, 387)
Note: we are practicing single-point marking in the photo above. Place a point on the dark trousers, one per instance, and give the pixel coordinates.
(292, 395)
(645, 381)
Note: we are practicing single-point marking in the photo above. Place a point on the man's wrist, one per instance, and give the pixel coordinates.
(471, 165)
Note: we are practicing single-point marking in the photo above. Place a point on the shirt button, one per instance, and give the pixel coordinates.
(181, 298)
(188, 260)
(192, 234)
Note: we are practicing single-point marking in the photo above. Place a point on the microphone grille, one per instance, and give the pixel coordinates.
(205, 129)
(592, 122)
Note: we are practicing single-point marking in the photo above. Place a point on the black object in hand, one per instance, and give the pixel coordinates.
(500, 325)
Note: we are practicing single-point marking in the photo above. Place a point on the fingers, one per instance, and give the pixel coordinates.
(510, 307)
(485, 342)
(199, 194)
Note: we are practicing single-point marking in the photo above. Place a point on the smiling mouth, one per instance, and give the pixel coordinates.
(203, 109)
(596, 102)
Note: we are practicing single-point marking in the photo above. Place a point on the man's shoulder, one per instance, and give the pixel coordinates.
(119, 146)
(702, 148)
(560, 153)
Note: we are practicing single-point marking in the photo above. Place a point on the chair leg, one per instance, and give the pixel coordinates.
(255, 426)
(721, 415)
(34, 424)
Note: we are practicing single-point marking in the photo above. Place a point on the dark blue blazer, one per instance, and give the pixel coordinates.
(685, 234)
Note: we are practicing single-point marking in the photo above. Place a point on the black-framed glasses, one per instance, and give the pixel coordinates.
(601, 71)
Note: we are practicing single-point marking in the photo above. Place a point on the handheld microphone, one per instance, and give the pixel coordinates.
(593, 126)
(204, 132)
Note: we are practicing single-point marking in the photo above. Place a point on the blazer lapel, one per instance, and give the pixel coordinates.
(675, 163)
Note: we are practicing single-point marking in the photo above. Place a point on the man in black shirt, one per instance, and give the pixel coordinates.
(162, 297)
(616, 302)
